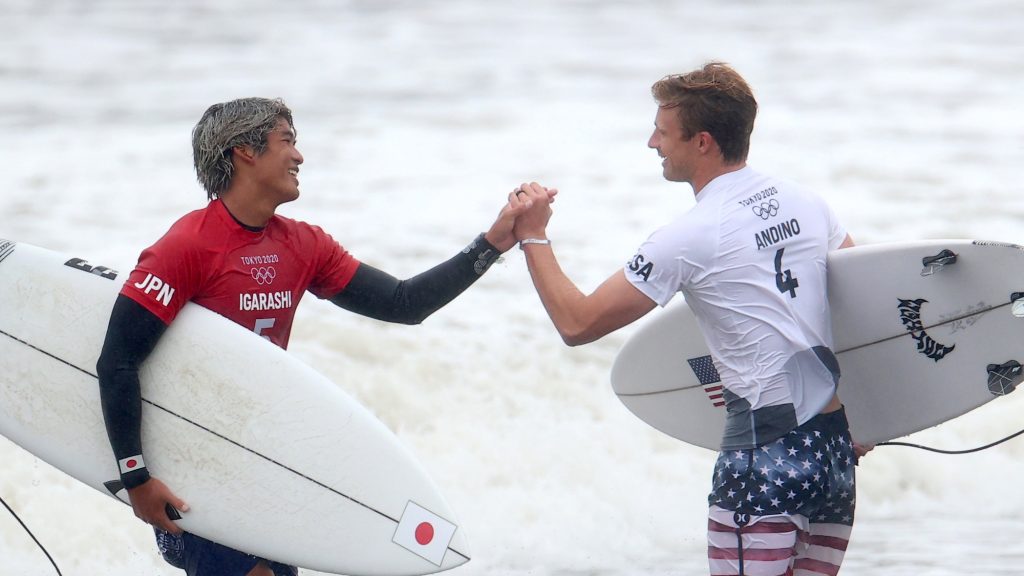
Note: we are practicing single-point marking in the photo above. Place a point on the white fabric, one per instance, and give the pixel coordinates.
(750, 260)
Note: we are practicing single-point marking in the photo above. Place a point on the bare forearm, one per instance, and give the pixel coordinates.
(579, 318)
(562, 300)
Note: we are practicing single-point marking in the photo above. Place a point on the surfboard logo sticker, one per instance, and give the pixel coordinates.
(910, 315)
(6, 248)
(424, 533)
(84, 266)
(704, 369)
(1002, 244)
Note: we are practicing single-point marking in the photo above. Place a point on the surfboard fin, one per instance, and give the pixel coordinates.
(934, 263)
(115, 487)
(1017, 304)
(1003, 378)
(172, 512)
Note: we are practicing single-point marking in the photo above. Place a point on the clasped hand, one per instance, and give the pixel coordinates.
(525, 215)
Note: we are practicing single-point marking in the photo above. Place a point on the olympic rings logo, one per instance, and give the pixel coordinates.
(264, 275)
(766, 210)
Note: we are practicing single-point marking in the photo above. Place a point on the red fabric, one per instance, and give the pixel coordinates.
(255, 279)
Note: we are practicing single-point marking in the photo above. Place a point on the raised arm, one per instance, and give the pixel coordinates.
(579, 318)
(377, 294)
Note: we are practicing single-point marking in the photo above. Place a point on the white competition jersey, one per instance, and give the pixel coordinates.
(750, 260)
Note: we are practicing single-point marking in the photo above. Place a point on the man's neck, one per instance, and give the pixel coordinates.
(251, 212)
(704, 178)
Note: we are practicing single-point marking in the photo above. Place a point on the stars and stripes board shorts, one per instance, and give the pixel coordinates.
(785, 508)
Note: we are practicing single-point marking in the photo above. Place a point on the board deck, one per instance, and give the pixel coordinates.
(272, 457)
(915, 343)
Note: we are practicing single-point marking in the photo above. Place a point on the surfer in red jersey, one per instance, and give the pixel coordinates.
(750, 260)
(239, 258)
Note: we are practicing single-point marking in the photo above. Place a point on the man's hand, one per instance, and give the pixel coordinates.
(150, 500)
(862, 449)
(533, 221)
(501, 234)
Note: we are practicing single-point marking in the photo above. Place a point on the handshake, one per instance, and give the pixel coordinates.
(524, 217)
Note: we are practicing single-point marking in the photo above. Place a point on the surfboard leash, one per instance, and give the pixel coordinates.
(33, 536)
(954, 452)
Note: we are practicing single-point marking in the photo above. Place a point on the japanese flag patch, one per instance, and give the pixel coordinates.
(131, 463)
(424, 533)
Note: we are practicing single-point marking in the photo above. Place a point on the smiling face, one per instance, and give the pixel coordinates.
(679, 153)
(276, 169)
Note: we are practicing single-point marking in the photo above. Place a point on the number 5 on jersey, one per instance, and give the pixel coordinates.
(265, 323)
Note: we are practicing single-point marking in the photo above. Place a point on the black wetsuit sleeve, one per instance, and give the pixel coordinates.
(131, 335)
(377, 294)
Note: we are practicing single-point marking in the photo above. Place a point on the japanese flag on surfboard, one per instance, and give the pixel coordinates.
(424, 533)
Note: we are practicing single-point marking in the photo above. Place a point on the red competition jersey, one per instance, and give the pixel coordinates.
(253, 278)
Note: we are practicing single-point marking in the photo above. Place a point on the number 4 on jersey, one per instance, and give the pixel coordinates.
(784, 278)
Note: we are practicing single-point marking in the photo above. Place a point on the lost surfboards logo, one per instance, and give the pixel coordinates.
(6, 248)
(85, 266)
(910, 315)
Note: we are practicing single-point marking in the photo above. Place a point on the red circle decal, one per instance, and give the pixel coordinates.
(424, 533)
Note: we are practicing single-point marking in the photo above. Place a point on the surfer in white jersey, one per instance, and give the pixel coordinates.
(750, 260)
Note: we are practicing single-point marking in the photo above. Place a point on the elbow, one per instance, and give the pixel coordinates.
(104, 369)
(573, 341)
(410, 317)
(575, 338)
(412, 314)
(114, 375)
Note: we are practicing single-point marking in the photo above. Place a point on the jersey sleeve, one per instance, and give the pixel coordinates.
(166, 277)
(335, 266)
(667, 261)
(836, 231)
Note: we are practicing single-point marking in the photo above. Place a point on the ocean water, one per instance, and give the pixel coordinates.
(416, 118)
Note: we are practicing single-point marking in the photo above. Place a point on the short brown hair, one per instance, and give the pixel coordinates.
(713, 99)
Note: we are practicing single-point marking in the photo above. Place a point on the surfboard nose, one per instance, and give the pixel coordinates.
(458, 549)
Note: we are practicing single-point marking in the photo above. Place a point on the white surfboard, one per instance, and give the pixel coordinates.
(917, 345)
(272, 458)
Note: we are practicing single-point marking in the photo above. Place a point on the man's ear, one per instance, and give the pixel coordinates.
(706, 142)
(243, 153)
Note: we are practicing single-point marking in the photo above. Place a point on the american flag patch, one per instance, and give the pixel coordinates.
(704, 369)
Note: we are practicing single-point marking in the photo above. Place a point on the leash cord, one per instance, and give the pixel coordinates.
(33, 536)
(967, 451)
